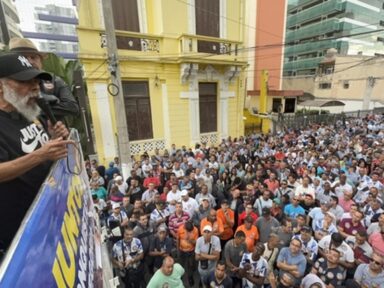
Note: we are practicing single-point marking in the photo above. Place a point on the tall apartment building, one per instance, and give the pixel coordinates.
(50, 25)
(8, 28)
(352, 27)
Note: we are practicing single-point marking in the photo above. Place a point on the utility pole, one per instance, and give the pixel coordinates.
(121, 122)
(368, 92)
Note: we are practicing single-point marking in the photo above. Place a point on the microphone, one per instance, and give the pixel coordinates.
(44, 106)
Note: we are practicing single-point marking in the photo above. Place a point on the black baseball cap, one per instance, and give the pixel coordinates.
(266, 211)
(17, 67)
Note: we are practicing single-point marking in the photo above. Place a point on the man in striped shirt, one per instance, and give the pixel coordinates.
(177, 219)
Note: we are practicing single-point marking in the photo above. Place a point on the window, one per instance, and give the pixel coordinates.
(138, 110)
(290, 105)
(346, 84)
(208, 24)
(325, 85)
(208, 107)
(329, 70)
(126, 15)
(276, 105)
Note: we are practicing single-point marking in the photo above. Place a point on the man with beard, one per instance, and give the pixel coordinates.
(26, 152)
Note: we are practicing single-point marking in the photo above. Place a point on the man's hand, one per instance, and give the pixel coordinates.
(120, 264)
(58, 130)
(54, 149)
(128, 262)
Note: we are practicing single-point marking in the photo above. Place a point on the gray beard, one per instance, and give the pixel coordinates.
(30, 112)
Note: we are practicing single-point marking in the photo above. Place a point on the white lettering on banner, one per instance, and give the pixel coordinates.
(31, 136)
(24, 61)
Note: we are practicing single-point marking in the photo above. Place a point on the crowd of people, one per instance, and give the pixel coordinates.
(303, 208)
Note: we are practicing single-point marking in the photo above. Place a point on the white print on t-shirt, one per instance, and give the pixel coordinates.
(31, 136)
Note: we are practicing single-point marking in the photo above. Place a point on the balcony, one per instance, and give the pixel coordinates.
(133, 41)
(309, 47)
(303, 64)
(314, 12)
(192, 44)
(313, 30)
(149, 145)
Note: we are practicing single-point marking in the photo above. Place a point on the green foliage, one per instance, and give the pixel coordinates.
(65, 70)
(58, 66)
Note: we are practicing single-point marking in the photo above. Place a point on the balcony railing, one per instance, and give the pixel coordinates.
(135, 41)
(205, 44)
(209, 138)
(314, 12)
(309, 47)
(140, 146)
(309, 63)
(313, 30)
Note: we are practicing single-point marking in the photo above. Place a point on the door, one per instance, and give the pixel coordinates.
(208, 24)
(208, 107)
(138, 110)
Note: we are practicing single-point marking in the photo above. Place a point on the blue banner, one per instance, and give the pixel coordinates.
(58, 244)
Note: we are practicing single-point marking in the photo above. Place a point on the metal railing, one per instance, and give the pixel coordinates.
(304, 120)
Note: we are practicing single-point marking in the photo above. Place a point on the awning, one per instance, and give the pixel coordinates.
(322, 103)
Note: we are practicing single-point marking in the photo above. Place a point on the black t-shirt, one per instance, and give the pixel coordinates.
(19, 137)
(211, 281)
(165, 245)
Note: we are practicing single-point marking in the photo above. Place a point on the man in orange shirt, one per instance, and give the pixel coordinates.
(187, 235)
(214, 222)
(251, 232)
(227, 217)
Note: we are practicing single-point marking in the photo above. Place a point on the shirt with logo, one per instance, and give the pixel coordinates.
(259, 268)
(129, 250)
(19, 137)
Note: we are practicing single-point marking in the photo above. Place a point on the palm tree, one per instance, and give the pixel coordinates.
(66, 69)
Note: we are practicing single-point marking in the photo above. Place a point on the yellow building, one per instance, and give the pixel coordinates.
(183, 82)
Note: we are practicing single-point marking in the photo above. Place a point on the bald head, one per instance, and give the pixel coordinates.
(167, 267)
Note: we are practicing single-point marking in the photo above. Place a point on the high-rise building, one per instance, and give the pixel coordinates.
(8, 28)
(352, 27)
(50, 25)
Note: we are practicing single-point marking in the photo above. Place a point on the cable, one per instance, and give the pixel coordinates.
(80, 169)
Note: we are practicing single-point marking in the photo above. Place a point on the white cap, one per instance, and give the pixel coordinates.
(207, 228)
(118, 178)
(184, 193)
(115, 205)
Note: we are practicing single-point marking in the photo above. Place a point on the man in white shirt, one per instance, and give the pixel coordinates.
(253, 267)
(347, 258)
(123, 186)
(189, 204)
(173, 197)
(341, 185)
(304, 189)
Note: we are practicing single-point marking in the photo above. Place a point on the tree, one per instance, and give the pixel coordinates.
(65, 69)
